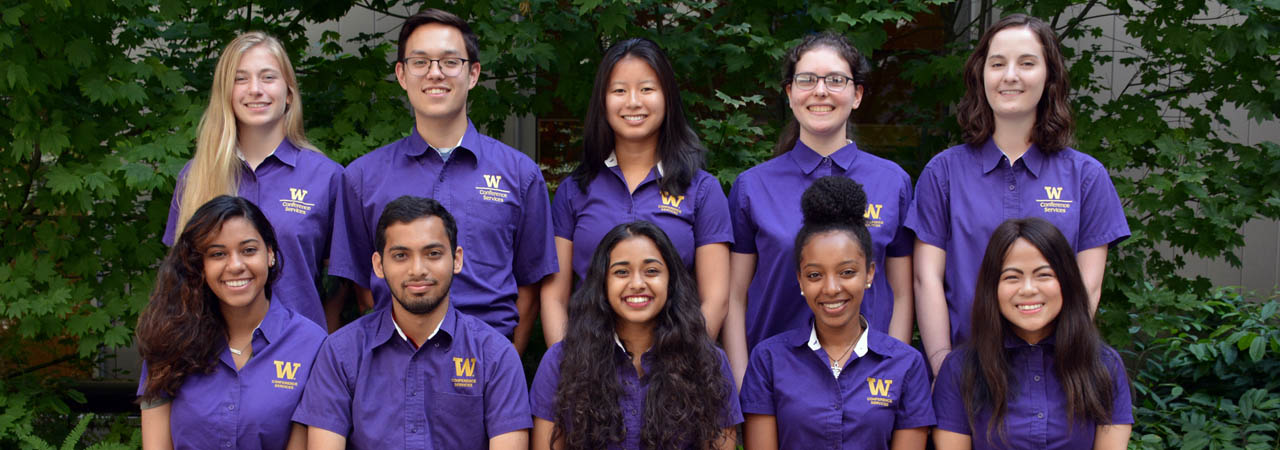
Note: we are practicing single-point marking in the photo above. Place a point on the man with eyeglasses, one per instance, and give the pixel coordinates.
(497, 193)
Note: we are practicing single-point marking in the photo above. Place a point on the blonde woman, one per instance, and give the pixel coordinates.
(251, 144)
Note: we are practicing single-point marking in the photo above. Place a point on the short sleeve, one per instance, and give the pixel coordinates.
(564, 217)
(506, 400)
(542, 395)
(757, 384)
(171, 225)
(352, 243)
(1122, 403)
(326, 399)
(712, 225)
(903, 239)
(732, 410)
(948, 404)
(916, 407)
(1102, 219)
(744, 229)
(930, 213)
(535, 249)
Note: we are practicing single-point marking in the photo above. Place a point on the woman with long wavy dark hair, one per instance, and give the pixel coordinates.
(639, 151)
(1038, 375)
(824, 78)
(224, 365)
(636, 369)
(1015, 162)
(837, 382)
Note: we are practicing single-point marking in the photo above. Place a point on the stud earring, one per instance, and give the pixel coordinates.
(868, 285)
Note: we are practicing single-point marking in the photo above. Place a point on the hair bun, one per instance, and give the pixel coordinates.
(834, 200)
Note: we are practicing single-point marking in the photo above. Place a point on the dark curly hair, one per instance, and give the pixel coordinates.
(857, 64)
(1054, 125)
(834, 203)
(687, 390)
(679, 148)
(985, 376)
(182, 329)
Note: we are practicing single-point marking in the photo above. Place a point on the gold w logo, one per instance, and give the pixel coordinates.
(672, 200)
(464, 367)
(873, 211)
(1054, 193)
(286, 370)
(297, 194)
(492, 181)
(879, 388)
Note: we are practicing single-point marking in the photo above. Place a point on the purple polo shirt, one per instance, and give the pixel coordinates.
(496, 194)
(634, 388)
(1036, 411)
(698, 217)
(249, 408)
(765, 202)
(884, 390)
(462, 387)
(296, 189)
(965, 192)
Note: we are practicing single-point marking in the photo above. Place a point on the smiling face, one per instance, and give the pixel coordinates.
(418, 264)
(1029, 294)
(634, 103)
(434, 95)
(820, 111)
(1014, 73)
(834, 273)
(637, 281)
(259, 94)
(236, 262)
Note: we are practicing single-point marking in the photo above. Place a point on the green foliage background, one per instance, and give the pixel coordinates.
(101, 102)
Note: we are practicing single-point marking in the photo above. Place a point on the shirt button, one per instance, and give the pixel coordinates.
(231, 407)
(1037, 377)
(1011, 187)
(1039, 415)
(413, 430)
(413, 394)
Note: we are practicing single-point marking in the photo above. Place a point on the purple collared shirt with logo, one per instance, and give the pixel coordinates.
(1036, 411)
(462, 387)
(634, 389)
(965, 192)
(297, 190)
(248, 408)
(765, 202)
(698, 217)
(883, 390)
(496, 194)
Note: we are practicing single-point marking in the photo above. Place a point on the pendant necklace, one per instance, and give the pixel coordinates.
(835, 363)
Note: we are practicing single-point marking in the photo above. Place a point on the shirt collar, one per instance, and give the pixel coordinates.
(273, 323)
(470, 141)
(286, 152)
(808, 159)
(612, 161)
(859, 348)
(448, 325)
(990, 157)
(1013, 341)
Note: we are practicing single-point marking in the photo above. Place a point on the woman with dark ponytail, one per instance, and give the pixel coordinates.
(224, 364)
(878, 385)
(823, 78)
(636, 369)
(1036, 374)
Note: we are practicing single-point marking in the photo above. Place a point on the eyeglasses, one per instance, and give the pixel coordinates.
(419, 66)
(808, 81)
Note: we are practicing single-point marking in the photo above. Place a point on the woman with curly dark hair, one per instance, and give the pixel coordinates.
(636, 369)
(837, 382)
(224, 366)
(1015, 162)
(1037, 374)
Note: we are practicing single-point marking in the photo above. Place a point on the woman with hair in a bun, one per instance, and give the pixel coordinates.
(836, 382)
(823, 78)
(1015, 162)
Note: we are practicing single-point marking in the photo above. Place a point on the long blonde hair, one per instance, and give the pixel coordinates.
(215, 168)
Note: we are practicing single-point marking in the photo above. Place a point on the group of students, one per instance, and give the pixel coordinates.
(810, 272)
